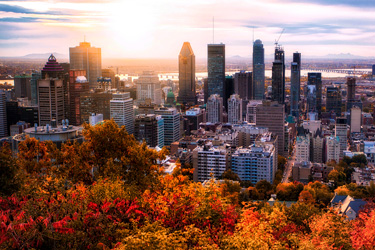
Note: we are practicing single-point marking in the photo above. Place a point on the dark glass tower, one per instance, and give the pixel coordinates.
(258, 70)
(278, 76)
(334, 100)
(243, 85)
(316, 80)
(295, 84)
(186, 73)
(216, 69)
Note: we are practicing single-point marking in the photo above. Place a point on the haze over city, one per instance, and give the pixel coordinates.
(156, 29)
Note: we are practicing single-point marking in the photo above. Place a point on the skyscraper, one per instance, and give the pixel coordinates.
(334, 100)
(341, 131)
(186, 75)
(52, 69)
(258, 70)
(350, 82)
(272, 115)
(295, 84)
(51, 100)
(122, 111)
(234, 109)
(216, 69)
(78, 85)
(148, 87)
(146, 127)
(228, 90)
(215, 109)
(85, 57)
(278, 76)
(22, 86)
(315, 79)
(171, 124)
(3, 115)
(243, 85)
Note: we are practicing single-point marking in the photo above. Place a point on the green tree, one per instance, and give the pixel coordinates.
(230, 175)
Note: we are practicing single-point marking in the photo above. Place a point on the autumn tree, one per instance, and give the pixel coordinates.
(10, 175)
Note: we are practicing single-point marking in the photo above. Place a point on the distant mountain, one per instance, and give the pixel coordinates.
(45, 56)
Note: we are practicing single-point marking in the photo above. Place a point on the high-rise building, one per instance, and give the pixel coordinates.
(215, 109)
(258, 70)
(95, 103)
(316, 147)
(278, 76)
(315, 79)
(332, 148)
(22, 86)
(3, 115)
(122, 111)
(243, 85)
(251, 109)
(194, 117)
(228, 89)
(78, 85)
(216, 69)
(341, 131)
(333, 100)
(51, 100)
(311, 99)
(272, 115)
(295, 84)
(147, 127)
(171, 120)
(85, 57)
(209, 161)
(255, 163)
(148, 87)
(302, 148)
(355, 119)
(52, 69)
(234, 109)
(350, 82)
(34, 87)
(186, 75)
(109, 73)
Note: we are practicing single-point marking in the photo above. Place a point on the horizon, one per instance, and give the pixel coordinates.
(154, 30)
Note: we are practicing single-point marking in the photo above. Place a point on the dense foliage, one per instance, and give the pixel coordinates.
(110, 192)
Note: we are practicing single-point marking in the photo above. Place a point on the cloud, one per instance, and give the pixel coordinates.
(352, 3)
(22, 10)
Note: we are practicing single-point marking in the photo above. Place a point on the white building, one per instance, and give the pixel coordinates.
(148, 87)
(234, 109)
(251, 109)
(255, 163)
(122, 112)
(332, 148)
(341, 131)
(355, 119)
(302, 149)
(95, 119)
(209, 161)
(3, 115)
(369, 150)
(312, 125)
(215, 109)
(171, 120)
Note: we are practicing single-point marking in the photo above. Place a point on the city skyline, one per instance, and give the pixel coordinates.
(149, 29)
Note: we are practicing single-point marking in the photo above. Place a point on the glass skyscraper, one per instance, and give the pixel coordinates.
(278, 76)
(186, 69)
(316, 80)
(258, 70)
(216, 69)
(295, 84)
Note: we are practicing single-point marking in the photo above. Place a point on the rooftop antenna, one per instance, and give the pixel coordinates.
(213, 30)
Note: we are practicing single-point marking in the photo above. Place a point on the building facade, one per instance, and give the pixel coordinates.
(258, 70)
(148, 87)
(234, 109)
(171, 120)
(122, 112)
(215, 109)
(51, 100)
(295, 84)
(186, 75)
(334, 100)
(216, 69)
(3, 115)
(209, 161)
(315, 79)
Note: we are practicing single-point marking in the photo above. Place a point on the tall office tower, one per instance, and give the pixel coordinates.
(52, 69)
(255, 163)
(333, 148)
(302, 148)
(316, 146)
(243, 85)
(333, 100)
(148, 87)
(122, 111)
(215, 109)
(186, 75)
(78, 85)
(355, 119)
(316, 80)
(147, 127)
(278, 76)
(311, 99)
(341, 131)
(194, 117)
(85, 57)
(373, 69)
(228, 89)
(22, 86)
(272, 115)
(234, 109)
(171, 124)
(209, 161)
(350, 82)
(3, 115)
(109, 73)
(51, 100)
(95, 103)
(258, 70)
(34, 87)
(295, 84)
(216, 69)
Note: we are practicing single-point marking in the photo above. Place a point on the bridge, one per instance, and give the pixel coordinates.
(341, 71)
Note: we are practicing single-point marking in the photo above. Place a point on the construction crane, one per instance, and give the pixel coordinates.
(277, 41)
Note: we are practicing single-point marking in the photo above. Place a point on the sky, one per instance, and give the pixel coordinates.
(158, 28)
